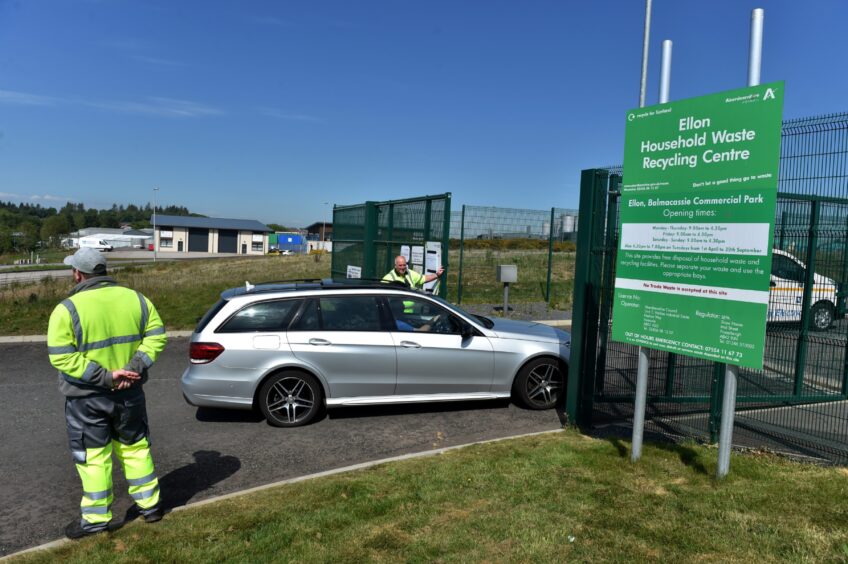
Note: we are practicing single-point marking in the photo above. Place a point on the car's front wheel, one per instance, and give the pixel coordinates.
(540, 384)
(290, 399)
(821, 316)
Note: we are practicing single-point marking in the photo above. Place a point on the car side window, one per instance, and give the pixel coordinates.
(339, 313)
(414, 314)
(786, 268)
(309, 319)
(350, 313)
(262, 316)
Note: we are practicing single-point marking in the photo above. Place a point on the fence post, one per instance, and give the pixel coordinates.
(461, 251)
(550, 258)
(607, 282)
(716, 392)
(579, 397)
(809, 278)
(369, 251)
(781, 241)
(428, 207)
(389, 263)
(446, 213)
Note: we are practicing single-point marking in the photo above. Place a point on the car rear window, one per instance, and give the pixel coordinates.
(204, 321)
(262, 316)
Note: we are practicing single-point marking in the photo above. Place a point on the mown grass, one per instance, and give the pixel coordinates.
(559, 497)
(183, 290)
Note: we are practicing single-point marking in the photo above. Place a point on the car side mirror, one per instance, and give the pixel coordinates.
(467, 331)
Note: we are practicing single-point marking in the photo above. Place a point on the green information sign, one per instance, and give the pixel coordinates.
(697, 218)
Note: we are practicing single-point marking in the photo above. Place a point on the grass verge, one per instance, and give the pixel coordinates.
(549, 498)
(181, 290)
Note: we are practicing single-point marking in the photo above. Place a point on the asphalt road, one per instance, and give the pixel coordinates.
(204, 453)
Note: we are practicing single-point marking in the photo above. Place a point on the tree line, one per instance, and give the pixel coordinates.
(23, 227)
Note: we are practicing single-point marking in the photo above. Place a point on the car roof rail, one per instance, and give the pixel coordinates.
(295, 284)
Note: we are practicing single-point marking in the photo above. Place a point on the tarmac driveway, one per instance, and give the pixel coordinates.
(204, 453)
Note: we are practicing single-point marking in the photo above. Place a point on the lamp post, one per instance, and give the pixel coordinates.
(156, 189)
(323, 227)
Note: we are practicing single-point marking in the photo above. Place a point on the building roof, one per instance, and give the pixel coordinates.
(318, 225)
(211, 223)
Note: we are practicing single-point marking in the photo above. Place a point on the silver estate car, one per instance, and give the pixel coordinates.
(292, 349)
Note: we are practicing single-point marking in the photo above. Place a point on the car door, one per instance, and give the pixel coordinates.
(433, 357)
(342, 337)
(786, 289)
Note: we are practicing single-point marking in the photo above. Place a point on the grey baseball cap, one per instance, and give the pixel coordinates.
(87, 260)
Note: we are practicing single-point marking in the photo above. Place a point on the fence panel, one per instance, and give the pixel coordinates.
(543, 250)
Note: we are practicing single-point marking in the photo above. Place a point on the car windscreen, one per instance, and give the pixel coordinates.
(484, 321)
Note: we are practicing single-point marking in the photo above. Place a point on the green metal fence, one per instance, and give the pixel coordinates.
(799, 401)
(368, 236)
(539, 242)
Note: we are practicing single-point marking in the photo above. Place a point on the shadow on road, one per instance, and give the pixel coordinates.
(211, 415)
(182, 484)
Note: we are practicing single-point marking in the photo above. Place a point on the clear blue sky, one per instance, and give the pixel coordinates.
(267, 109)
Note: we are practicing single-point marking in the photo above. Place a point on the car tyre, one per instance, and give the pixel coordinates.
(290, 399)
(821, 317)
(540, 384)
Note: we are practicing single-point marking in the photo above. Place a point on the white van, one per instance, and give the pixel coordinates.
(94, 243)
(786, 293)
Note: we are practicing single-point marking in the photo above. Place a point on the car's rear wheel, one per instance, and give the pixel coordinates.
(540, 384)
(290, 399)
(821, 316)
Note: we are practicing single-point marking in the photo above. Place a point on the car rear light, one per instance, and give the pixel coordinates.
(203, 353)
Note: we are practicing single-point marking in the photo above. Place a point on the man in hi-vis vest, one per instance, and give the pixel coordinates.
(402, 273)
(102, 339)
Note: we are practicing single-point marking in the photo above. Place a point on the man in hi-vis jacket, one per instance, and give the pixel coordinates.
(102, 339)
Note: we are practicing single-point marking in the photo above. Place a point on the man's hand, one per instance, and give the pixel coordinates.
(123, 379)
(440, 271)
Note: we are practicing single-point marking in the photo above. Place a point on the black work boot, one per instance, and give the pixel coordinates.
(152, 515)
(77, 529)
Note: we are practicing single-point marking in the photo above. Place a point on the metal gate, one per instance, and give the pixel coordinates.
(370, 235)
(799, 401)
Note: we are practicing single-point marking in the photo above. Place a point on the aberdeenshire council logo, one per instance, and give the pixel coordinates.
(769, 95)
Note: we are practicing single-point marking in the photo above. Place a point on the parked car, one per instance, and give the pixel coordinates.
(788, 278)
(293, 349)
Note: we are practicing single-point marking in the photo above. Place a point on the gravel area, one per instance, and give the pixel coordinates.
(532, 311)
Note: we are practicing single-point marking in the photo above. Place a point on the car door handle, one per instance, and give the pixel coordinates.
(319, 342)
(410, 345)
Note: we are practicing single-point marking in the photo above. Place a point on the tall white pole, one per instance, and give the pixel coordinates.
(645, 44)
(641, 399)
(324, 226)
(665, 73)
(155, 242)
(755, 47)
(731, 372)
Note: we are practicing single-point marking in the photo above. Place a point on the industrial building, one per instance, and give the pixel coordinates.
(181, 234)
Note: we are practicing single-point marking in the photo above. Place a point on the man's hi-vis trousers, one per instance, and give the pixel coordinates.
(97, 425)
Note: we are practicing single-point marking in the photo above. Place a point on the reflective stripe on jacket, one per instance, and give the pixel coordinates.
(102, 327)
(411, 278)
